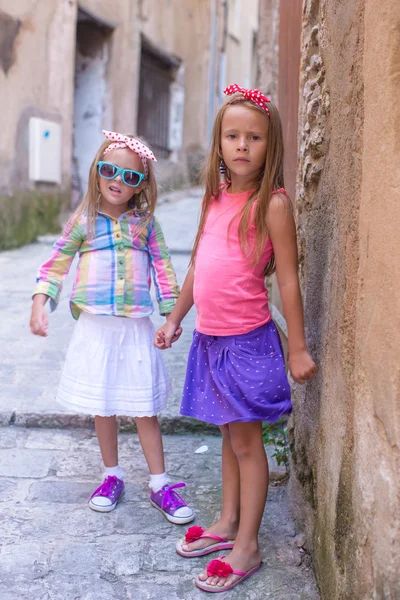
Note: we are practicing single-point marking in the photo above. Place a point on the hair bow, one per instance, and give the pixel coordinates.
(253, 95)
(124, 141)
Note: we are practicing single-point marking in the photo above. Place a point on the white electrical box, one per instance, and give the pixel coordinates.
(44, 150)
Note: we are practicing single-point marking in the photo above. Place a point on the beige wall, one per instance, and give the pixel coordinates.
(40, 81)
(184, 29)
(85, 76)
(346, 436)
(267, 48)
(377, 327)
(29, 80)
(242, 28)
(42, 74)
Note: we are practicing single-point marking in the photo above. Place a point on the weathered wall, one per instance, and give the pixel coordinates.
(242, 28)
(377, 338)
(30, 86)
(37, 79)
(184, 29)
(79, 64)
(268, 48)
(288, 85)
(346, 436)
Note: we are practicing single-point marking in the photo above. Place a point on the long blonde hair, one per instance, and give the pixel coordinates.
(271, 178)
(144, 203)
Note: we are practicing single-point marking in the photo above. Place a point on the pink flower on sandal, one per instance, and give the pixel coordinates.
(219, 568)
(193, 533)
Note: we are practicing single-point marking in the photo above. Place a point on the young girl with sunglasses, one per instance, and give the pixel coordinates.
(236, 372)
(112, 367)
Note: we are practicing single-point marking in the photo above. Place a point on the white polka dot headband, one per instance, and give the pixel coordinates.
(124, 141)
(253, 95)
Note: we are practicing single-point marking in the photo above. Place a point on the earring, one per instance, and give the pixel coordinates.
(222, 167)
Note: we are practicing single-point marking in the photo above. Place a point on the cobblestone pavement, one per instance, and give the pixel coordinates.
(53, 547)
(30, 366)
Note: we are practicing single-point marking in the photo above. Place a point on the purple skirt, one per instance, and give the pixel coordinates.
(236, 377)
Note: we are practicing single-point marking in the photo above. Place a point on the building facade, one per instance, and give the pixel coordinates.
(70, 68)
(345, 429)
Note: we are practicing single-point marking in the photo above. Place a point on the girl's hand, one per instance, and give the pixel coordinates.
(39, 322)
(167, 335)
(302, 367)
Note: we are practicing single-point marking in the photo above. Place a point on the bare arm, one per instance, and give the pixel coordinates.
(282, 231)
(168, 333)
(39, 321)
(185, 300)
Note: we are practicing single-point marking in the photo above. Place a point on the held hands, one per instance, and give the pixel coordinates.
(302, 367)
(167, 335)
(39, 321)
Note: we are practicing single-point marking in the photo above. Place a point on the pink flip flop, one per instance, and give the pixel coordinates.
(223, 569)
(196, 533)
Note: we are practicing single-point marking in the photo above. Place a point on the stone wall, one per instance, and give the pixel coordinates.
(345, 435)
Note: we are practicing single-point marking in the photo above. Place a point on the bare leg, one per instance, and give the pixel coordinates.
(151, 442)
(107, 435)
(247, 444)
(227, 525)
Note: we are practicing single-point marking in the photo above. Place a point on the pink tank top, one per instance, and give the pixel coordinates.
(229, 293)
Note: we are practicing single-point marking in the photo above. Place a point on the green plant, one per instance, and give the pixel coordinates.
(275, 434)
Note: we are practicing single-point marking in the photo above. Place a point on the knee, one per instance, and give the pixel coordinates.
(225, 431)
(242, 447)
(146, 421)
(246, 446)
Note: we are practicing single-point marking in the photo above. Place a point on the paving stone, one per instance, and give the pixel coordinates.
(55, 547)
(49, 440)
(9, 489)
(59, 492)
(23, 463)
(8, 438)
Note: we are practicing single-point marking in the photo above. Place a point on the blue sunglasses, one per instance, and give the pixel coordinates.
(109, 171)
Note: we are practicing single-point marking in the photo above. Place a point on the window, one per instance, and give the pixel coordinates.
(157, 71)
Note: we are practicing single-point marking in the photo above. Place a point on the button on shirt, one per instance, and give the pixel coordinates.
(114, 269)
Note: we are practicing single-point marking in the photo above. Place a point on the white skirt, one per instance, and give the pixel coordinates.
(112, 368)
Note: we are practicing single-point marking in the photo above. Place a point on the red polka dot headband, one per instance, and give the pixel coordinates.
(124, 141)
(253, 95)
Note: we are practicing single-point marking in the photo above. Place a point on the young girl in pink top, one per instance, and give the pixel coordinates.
(236, 372)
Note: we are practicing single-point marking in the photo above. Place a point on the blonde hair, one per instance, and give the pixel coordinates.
(144, 202)
(271, 178)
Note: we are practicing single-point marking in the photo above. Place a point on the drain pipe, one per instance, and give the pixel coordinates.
(213, 62)
(222, 83)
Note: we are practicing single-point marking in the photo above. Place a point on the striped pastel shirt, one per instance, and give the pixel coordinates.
(114, 269)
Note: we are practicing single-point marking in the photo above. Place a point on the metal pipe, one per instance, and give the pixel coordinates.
(213, 61)
(222, 56)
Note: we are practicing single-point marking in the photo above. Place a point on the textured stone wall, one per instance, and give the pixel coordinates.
(345, 435)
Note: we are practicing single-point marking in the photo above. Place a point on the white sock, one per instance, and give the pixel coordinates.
(158, 481)
(114, 472)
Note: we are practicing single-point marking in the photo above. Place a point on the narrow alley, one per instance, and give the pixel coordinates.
(53, 546)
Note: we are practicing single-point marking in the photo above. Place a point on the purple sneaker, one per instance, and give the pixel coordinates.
(172, 505)
(106, 496)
